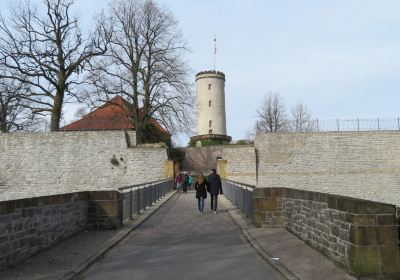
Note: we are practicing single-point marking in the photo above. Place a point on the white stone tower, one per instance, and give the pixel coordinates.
(210, 106)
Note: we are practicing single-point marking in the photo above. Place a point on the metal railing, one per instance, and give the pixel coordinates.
(398, 224)
(136, 198)
(241, 195)
(356, 125)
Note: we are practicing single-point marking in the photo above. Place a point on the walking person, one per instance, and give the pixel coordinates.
(178, 181)
(185, 180)
(214, 188)
(200, 185)
(190, 181)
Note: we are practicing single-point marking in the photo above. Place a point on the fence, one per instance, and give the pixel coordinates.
(137, 197)
(398, 224)
(241, 195)
(356, 125)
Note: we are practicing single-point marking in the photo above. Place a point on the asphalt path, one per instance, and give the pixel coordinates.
(177, 242)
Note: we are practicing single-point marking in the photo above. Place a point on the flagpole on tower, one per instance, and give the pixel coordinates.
(215, 50)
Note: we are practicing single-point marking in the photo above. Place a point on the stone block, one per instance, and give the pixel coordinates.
(104, 195)
(361, 219)
(363, 235)
(390, 261)
(259, 216)
(387, 235)
(386, 219)
(276, 192)
(106, 211)
(265, 204)
(335, 231)
(259, 193)
(373, 235)
(363, 260)
(332, 201)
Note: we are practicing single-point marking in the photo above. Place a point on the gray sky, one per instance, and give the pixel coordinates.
(340, 58)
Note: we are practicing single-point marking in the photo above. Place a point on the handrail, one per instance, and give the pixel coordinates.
(142, 184)
(239, 183)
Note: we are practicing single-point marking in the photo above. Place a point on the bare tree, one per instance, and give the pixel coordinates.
(144, 65)
(80, 112)
(272, 114)
(301, 119)
(47, 51)
(13, 112)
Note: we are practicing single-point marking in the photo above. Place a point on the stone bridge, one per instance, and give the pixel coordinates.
(295, 206)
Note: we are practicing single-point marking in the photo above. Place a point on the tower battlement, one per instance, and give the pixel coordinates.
(210, 72)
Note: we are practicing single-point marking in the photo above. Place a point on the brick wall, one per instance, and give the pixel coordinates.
(358, 235)
(357, 164)
(33, 224)
(39, 164)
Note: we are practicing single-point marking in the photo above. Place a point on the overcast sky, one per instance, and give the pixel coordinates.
(340, 58)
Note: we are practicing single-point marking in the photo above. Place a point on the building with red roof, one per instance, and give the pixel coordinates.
(113, 115)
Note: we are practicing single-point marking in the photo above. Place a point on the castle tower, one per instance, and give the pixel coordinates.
(210, 106)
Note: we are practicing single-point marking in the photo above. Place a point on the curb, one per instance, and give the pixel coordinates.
(276, 264)
(121, 234)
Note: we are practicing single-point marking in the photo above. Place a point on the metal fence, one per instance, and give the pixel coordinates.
(241, 195)
(398, 224)
(356, 125)
(136, 198)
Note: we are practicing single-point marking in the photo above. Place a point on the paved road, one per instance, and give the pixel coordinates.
(179, 243)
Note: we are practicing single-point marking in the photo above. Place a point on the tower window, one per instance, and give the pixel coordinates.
(210, 131)
(209, 86)
(209, 103)
(209, 123)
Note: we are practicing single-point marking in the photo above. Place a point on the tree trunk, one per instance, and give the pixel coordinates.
(56, 111)
(138, 134)
(3, 121)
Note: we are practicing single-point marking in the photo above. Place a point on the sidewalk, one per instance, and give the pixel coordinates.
(288, 254)
(67, 258)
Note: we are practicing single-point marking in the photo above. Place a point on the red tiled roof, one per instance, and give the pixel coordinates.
(113, 115)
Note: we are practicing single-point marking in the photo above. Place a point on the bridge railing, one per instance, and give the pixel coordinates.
(136, 198)
(240, 194)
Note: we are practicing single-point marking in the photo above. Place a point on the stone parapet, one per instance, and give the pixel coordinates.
(28, 226)
(360, 236)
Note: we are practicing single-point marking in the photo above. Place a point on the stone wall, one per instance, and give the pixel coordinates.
(39, 164)
(358, 164)
(30, 225)
(201, 159)
(240, 161)
(360, 236)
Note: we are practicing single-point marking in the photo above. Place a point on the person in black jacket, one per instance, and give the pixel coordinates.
(214, 188)
(200, 186)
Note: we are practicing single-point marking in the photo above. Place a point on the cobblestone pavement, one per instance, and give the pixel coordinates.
(177, 242)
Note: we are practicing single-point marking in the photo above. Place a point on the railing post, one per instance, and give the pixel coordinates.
(337, 121)
(139, 200)
(131, 202)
